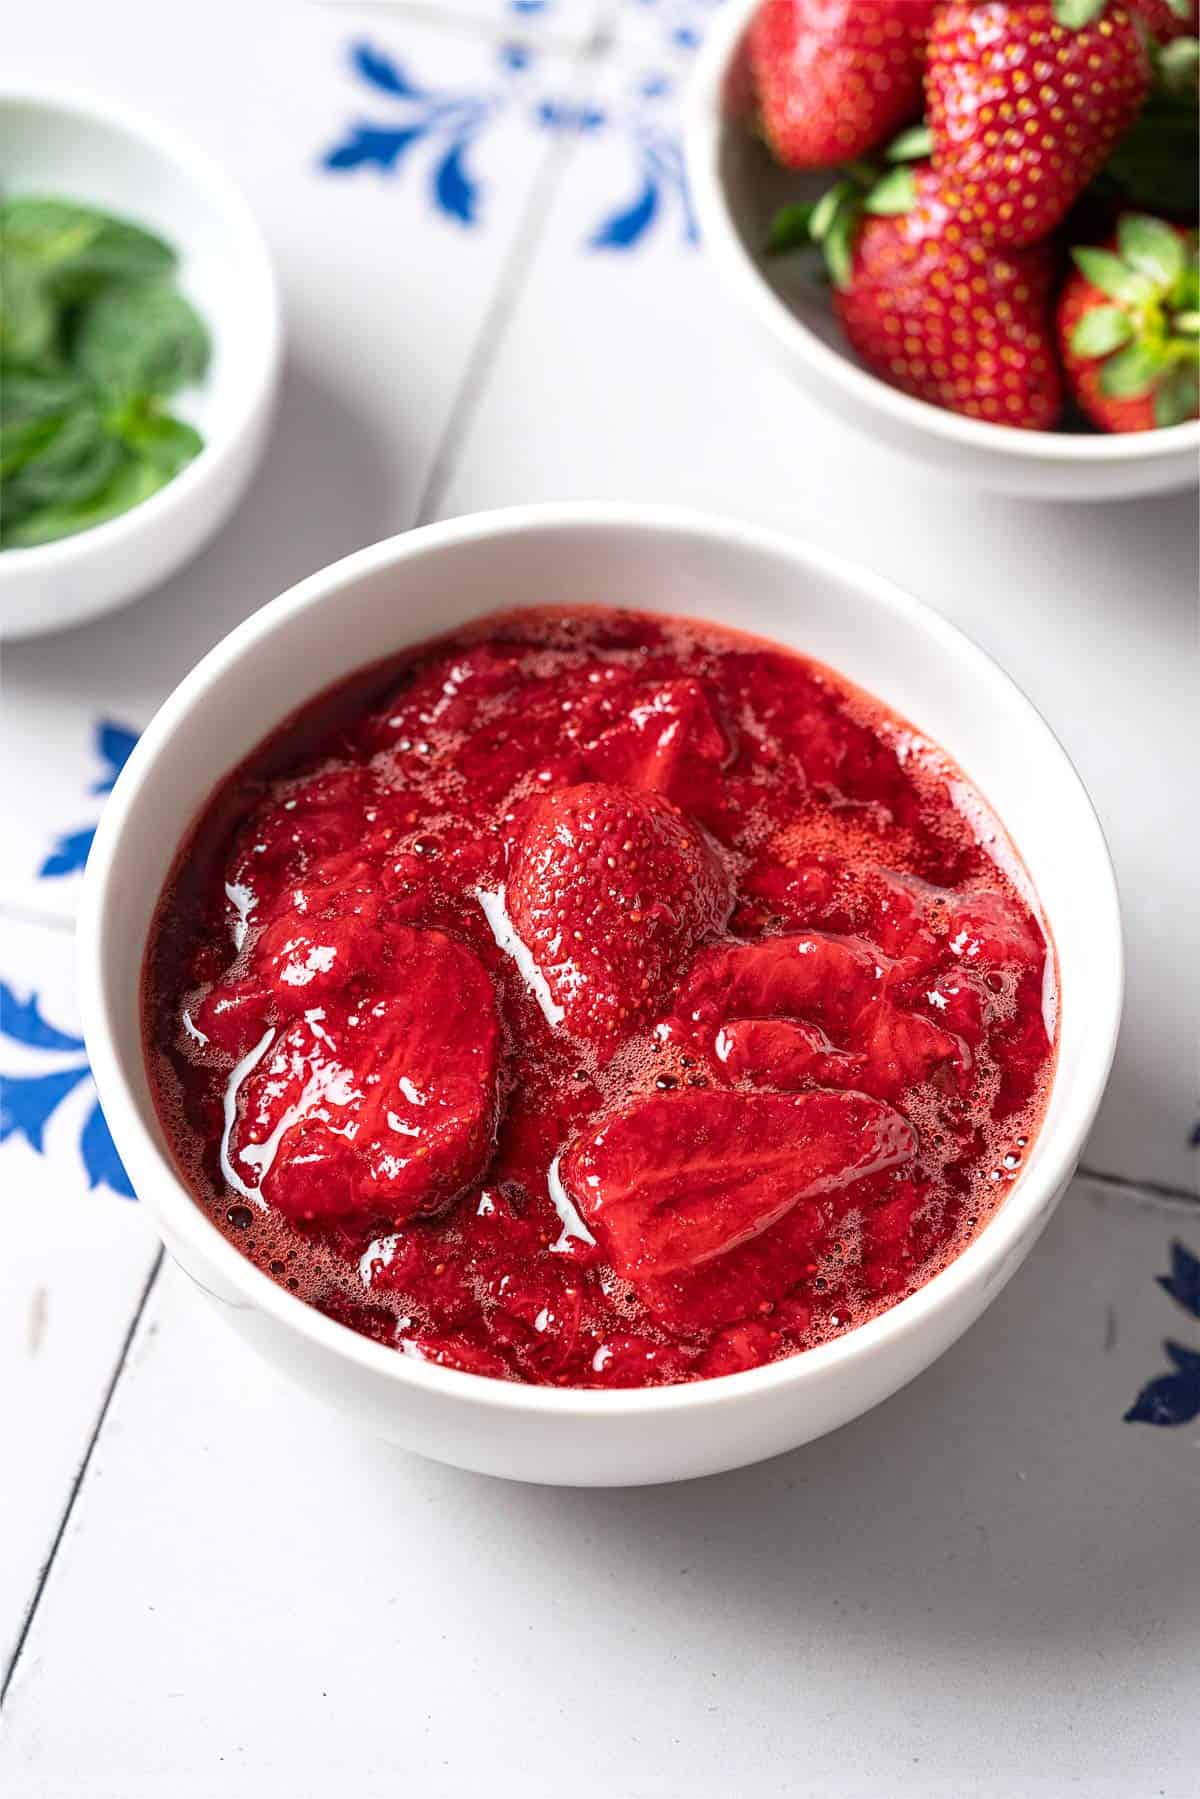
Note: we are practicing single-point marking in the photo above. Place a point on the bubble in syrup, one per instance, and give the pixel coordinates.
(240, 1217)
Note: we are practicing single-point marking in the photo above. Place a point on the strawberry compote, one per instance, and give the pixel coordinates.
(600, 1000)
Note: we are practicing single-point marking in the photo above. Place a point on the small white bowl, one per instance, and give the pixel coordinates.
(431, 581)
(83, 149)
(738, 187)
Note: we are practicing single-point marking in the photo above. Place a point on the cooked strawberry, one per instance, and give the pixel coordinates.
(824, 892)
(940, 316)
(740, 1346)
(901, 1049)
(670, 741)
(785, 1054)
(678, 1179)
(610, 891)
(626, 1360)
(1129, 327)
(805, 975)
(988, 930)
(892, 1048)
(467, 1356)
(380, 1113)
(306, 960)
(1025, 99)
(836, 77)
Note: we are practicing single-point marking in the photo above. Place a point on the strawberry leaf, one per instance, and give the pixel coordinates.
(1177, 397)
(1151, 248)
(839, 246)
(790, 229)
(912, 145)
(1101, 331)
(1131, 372)
(1075, 14)
(1176, 66)
(1113, 277)
(894, 194)
(827, 208)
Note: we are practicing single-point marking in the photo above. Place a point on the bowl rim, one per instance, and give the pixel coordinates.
(72, 102)
(980, 1263)
(703, 128)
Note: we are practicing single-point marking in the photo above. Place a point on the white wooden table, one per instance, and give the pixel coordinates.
(209, 1587)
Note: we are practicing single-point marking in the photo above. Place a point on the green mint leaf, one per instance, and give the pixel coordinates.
(790, 229)
(33, 406)
(913, 145)
(1177, 397)
(1131, 372)
(28, 317)
(76, 247)
(140, 337)
(894, 194)
(1113, 277)
(169, 443)
(1075, 14)
(77, 460)
(1101, 331)
(1150, 247)
(134, 480)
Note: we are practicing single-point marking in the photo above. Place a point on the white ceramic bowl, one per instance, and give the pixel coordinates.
(430, 581)
(737, 189)
(83, 149)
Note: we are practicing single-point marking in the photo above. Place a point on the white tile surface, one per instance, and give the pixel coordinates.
(75, 1261)
(981, 1589)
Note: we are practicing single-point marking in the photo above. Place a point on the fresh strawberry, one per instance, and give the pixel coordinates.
(678, 1179)
(1166, 20)
(610, 891)
(1129, 327)
(836, 77)
(940, 316)
(1025, 99)
(376, 1108)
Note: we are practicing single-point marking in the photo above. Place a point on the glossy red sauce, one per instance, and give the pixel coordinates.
(599, 999)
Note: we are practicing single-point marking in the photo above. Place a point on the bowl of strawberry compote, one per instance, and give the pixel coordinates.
(599, 995)
(969, 227)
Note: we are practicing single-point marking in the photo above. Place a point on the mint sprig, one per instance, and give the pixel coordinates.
(94, 335)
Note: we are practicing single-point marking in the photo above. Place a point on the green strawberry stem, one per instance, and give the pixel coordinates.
(1148, 336)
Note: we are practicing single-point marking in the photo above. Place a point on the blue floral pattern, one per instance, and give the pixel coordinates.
(69, 852)
(442, 130)
(28, 1102)
(1174, 1398)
